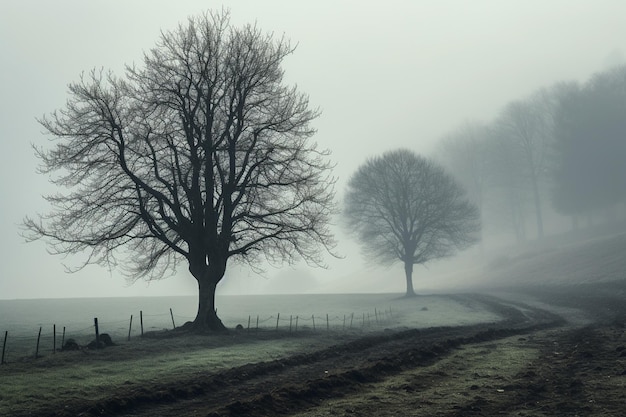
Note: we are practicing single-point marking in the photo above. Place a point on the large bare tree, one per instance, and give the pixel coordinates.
(200, 155)
(401, 206)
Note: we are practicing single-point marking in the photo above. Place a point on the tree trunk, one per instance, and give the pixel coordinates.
(207, 318)
(408, 270)
(538, 212)
(207, 276)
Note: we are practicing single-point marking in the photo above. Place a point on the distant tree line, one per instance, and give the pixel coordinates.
(557, 151)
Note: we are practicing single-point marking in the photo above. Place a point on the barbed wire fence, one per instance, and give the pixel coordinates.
(50, 338)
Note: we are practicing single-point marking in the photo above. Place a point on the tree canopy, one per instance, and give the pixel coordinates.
(403, 207)
(201, 154)
(590, 144)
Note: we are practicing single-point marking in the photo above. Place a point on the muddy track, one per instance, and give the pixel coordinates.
(288, 385)
(569, 379)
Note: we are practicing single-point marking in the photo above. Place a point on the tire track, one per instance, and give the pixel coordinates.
(298, 382)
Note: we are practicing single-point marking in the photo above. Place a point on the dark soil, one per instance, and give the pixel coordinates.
(572, 377)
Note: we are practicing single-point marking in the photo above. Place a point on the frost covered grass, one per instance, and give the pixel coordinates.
(22, 318)
(53, 380)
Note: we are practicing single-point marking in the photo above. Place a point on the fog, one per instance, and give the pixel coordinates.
(385, 75)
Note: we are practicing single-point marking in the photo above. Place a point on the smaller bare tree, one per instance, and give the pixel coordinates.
(401, 206)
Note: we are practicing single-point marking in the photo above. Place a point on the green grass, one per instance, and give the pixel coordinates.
(55, 380)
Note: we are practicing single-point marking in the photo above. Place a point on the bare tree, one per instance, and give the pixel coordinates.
(507, 185)
(201, 155)
(463, 154)
(404, 207)
(524, 125)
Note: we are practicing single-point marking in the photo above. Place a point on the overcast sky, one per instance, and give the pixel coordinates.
(385, 74)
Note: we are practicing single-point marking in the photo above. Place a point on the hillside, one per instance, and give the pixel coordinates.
(590, 261)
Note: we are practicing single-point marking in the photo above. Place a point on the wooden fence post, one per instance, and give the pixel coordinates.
(290, 322)
(249, 323)
(277, 318)
(257, 323)
(4, 346)
(351, 319)
(95, 323)
(327, 323)
(54, 339)
(313, 318)
(38, 338)
(172, 314)
(130, 326)
(141, 321)
(63, 338)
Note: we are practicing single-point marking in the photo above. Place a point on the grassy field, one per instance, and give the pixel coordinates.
(28, 384)
(54, 380)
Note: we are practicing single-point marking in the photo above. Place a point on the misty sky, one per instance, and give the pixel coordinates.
(385, 74)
